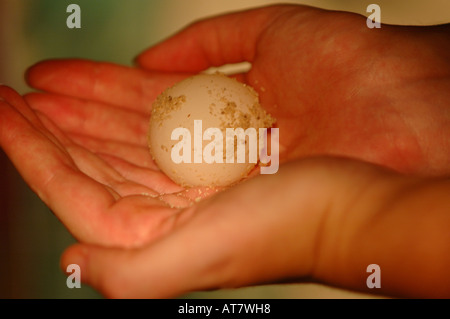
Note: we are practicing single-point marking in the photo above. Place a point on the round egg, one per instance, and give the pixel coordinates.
(201, 129)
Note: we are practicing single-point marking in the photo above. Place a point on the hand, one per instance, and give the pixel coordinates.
(335, 86)
(121, 200)
(322, 220)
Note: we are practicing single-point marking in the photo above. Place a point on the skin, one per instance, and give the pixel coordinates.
(340, 89)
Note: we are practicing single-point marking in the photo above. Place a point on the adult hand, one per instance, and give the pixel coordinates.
(101, 199)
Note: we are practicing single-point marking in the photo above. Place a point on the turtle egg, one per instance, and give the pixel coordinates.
(198, 134)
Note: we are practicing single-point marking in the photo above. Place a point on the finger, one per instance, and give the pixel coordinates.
(153, 179)
(229, 38)
(51, 173)
(107, 83)
(14, 99)
(117, 175)
(11, 97)
(96, 167)
(92, 118)
(170, 192)
(134, 154)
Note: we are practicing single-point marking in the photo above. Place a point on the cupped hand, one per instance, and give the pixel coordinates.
(335, 86)
(105, 189)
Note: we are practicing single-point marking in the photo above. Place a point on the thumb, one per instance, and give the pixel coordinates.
(229, 38)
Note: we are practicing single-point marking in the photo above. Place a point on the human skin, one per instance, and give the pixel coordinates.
(337, 88)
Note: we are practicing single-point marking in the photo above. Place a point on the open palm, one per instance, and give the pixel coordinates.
(101, 198)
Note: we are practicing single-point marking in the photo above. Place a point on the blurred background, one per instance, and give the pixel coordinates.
(31, 238)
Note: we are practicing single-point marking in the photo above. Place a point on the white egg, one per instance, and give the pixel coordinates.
(205, 103)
